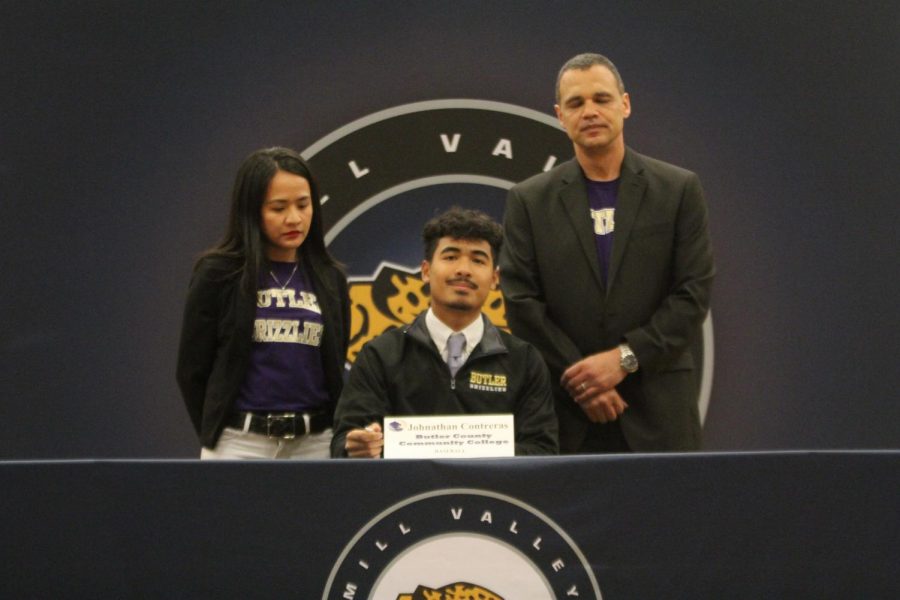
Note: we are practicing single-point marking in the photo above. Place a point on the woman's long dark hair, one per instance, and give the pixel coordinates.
(243, 242)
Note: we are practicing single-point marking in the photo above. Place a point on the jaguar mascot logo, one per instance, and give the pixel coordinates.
(455, 591)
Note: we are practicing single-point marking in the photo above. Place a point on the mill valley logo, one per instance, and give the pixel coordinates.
(413, 147)
(461, 544)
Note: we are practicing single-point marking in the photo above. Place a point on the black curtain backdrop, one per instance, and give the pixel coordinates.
(122, 124)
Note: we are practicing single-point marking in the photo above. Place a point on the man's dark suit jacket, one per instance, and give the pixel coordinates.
(656, 298)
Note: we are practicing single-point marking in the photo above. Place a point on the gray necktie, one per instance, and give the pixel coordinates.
(455, 345)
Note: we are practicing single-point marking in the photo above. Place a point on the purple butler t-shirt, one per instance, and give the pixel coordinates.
(602, 196)
(285, 372)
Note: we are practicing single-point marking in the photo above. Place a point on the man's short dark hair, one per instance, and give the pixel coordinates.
(583, 62)
(462, 224)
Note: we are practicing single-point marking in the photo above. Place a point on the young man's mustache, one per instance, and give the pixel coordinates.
(464, 281)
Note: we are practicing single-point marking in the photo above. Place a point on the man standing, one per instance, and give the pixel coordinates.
(607, 269)
(437, 365)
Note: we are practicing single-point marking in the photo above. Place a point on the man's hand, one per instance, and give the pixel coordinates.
(601, 407)
(598, 372)
(364, 443)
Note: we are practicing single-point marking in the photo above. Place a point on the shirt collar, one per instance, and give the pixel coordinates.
(439, 333)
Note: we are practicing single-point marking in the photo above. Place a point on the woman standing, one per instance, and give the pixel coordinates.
(266, 322)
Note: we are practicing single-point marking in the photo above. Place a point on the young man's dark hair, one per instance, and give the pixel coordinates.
(462, 224)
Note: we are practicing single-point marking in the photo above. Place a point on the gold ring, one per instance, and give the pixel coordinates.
(583, 387)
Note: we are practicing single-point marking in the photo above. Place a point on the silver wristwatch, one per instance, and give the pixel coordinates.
(627, 359)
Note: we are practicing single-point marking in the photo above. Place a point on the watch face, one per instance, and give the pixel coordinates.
(629, 361)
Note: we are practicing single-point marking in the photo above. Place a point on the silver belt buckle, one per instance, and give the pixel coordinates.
(282, 426)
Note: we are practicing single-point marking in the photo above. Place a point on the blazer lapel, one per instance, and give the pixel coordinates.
(573, 195)
(632, 186)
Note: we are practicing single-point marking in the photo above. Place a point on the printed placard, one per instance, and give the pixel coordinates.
(449, 436)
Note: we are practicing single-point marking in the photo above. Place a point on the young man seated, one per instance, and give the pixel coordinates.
(433, 366)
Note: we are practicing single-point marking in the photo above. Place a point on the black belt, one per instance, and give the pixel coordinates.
(282, 425)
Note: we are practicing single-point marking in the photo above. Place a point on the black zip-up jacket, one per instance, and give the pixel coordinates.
(401, 373)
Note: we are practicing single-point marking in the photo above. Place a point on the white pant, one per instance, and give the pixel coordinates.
(237, 444)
